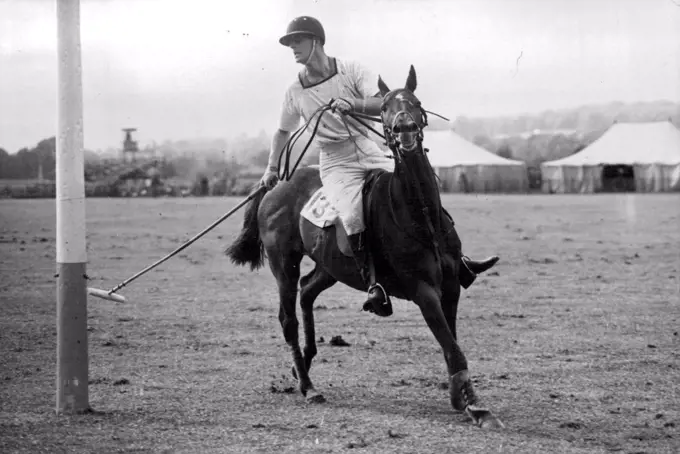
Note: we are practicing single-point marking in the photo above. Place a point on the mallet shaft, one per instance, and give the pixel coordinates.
(189, 242)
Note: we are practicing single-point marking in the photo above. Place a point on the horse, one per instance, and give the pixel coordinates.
(416, 250)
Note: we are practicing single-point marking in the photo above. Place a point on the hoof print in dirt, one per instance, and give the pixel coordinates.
(280, 389)
(542, 261)
(361, 443)
(338, 341)
(572, 425)
(395, 435)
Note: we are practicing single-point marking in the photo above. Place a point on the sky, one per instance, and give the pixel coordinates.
(187, 69)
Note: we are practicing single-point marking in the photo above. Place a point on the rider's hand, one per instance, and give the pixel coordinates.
(269, 179)
(344, 106)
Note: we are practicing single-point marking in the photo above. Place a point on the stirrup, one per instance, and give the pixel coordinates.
(383, 308)
(466, 276)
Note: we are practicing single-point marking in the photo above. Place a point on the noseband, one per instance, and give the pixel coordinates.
(392, 131)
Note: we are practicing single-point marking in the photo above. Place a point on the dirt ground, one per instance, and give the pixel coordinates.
(572, 339)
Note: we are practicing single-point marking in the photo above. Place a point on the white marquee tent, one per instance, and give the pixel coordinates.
(652, 150)
(465, 167)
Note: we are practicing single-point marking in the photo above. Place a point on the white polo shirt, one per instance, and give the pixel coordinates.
(348, 80)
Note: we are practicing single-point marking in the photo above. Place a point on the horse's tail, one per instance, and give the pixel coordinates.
(248, 247)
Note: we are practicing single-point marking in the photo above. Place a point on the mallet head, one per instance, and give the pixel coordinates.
(106, 295)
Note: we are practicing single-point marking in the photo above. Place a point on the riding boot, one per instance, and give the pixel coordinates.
(470, 268)
(377, 302)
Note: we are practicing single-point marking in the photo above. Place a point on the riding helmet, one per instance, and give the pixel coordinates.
(304, 25)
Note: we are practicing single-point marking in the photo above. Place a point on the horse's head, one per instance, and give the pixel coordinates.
(402, 115)
(403, 119)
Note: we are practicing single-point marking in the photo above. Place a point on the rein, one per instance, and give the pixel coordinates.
(285, 172)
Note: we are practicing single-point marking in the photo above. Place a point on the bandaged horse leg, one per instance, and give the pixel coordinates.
(470, 268)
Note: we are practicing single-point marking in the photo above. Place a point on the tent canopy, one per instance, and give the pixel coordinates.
(448, 149)
(651, 149)
(465, 167)
(629, 144)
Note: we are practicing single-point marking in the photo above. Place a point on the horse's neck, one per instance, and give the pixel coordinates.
(418, 189)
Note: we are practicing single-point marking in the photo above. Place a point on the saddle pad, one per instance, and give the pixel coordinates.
(319, 211)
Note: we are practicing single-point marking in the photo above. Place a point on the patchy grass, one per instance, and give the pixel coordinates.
(572, 338)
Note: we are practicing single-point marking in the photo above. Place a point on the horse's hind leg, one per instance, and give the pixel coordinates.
(311, 286)
(286, 269)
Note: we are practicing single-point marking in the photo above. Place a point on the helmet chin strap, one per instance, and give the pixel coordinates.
(311, 52)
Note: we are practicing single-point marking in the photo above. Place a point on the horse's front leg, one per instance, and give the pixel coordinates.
(451, 294)
(461, 390)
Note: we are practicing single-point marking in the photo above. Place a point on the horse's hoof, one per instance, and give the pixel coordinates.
(314, 397)
(484, 418)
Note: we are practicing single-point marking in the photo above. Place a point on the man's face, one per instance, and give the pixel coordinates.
(302, 47)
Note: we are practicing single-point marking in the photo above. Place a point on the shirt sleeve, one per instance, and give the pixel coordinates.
(290, 113)
(365, 80)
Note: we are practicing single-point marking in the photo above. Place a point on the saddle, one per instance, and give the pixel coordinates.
(319, 211)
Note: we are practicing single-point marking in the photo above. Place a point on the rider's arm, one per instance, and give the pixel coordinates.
(369, 106)
(288, 121)
(278, 141)
(366, 84)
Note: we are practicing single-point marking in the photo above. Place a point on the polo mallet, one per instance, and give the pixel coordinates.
(111, 295)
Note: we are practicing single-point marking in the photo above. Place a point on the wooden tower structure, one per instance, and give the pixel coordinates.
(130, 146)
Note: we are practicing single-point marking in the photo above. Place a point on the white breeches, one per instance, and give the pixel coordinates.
(344, 166)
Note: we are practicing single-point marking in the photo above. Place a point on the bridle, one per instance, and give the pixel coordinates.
(393, 131)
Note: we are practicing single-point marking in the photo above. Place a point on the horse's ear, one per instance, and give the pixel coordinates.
(382, 86)
(411, 82)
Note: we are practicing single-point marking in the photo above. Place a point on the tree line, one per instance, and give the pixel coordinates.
(533, 139)
(26, 163)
